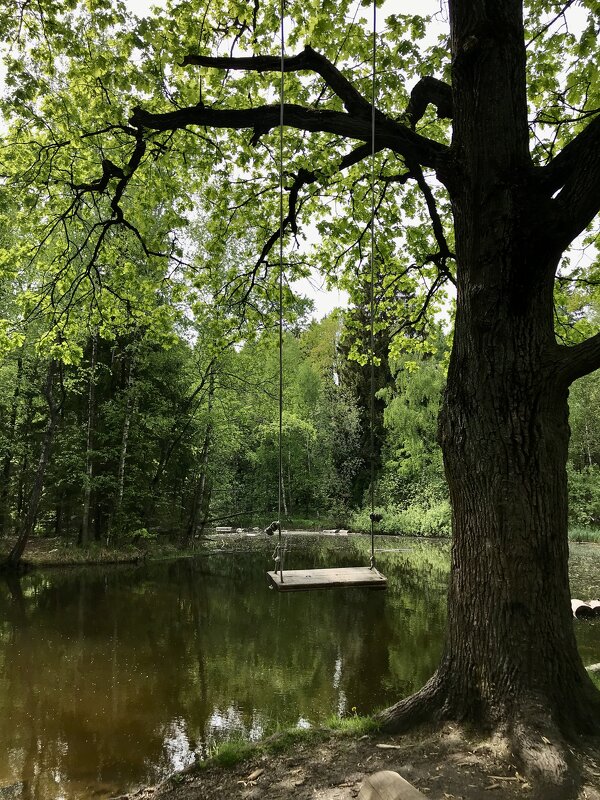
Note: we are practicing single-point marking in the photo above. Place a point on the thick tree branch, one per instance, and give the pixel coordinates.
(574, 177)
(307, 60)
(580, 359)
(388, 134)
(429, 90)
(555, 174)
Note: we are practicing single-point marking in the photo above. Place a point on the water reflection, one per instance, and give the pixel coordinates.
(110, 678)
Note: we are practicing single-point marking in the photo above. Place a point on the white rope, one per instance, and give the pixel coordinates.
(281, 101)
(372, 309)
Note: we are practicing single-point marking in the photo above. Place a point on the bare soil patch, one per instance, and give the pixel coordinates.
(444, 765)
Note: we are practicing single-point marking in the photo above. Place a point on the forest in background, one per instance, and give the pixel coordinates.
(138, 350)
(138, 435)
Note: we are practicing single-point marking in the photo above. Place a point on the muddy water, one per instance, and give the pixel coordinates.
(111, 678)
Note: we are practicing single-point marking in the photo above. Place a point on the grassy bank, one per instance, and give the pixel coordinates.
(233, 751)
(44, 552)
(59, 552)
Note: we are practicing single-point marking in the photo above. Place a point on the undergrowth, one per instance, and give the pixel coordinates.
(414, 520)
(582, 533)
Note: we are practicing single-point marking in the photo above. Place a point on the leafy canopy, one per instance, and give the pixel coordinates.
(99, 198)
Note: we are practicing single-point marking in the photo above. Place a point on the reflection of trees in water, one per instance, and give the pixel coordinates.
(120, 671)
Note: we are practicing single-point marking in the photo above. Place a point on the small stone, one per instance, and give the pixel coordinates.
(388, 785)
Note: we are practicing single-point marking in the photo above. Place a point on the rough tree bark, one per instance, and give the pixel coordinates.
(510, 658)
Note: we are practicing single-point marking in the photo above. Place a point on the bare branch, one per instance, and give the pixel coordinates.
(440, 258)
(549, 24)
(307, 60)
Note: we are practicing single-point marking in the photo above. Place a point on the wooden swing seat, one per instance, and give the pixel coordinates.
(303, 580)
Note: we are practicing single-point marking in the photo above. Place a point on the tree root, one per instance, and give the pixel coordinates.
(533, 741)
(426, 705)
(543, 756)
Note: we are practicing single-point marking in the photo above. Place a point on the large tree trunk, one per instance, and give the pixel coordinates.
(510, 658)
(505, 433)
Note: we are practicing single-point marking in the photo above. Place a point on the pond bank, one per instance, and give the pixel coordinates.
(42, 553)
(56, 552)
(444, 764)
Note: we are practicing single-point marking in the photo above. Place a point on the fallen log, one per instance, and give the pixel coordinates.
(595, 605)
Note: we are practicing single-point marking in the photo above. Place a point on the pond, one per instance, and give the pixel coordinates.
(114, 677)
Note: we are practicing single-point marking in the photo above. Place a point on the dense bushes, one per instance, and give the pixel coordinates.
(412, 520)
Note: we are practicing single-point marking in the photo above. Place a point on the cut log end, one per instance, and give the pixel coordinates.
(583, 610)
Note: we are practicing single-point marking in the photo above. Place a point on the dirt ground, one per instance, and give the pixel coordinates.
(444, 766)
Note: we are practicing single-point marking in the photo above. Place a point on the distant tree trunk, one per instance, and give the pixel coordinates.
(8, 453)
(58, 515)
(587, 445)
(84, 535)
(199, 511)
(283, 498)
(200, 503)
(26, 528)
(129, 410)
(289, 479)
(357, 377)
(22, 480)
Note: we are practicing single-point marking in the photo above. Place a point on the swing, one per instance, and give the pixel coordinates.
(302, 580)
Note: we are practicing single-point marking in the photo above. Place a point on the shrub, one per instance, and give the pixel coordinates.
(414, 520)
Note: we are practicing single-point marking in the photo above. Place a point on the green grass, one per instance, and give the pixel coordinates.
(233, 751)
(579, 533)
(352, 726)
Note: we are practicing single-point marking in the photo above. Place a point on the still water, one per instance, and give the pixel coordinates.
(114, 677)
